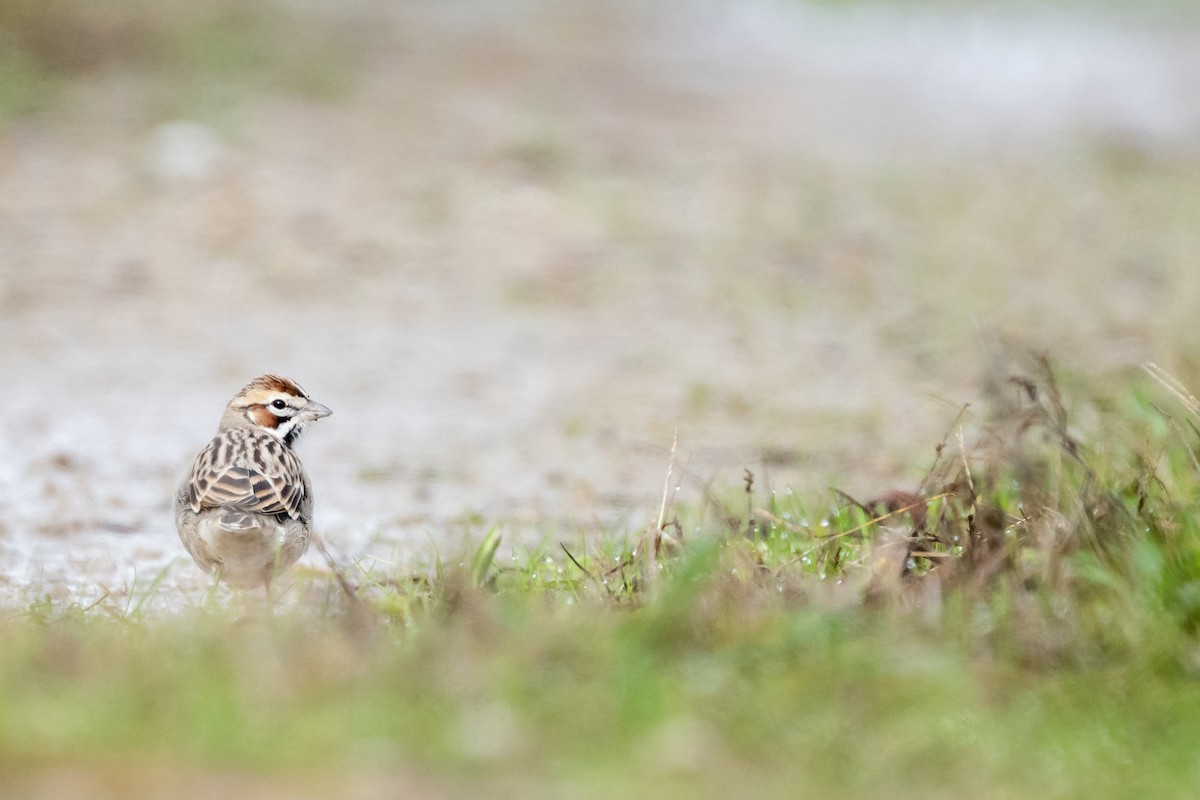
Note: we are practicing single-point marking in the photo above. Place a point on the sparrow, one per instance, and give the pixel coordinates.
(244, 511)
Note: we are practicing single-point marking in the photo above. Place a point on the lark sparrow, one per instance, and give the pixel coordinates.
(244, 511)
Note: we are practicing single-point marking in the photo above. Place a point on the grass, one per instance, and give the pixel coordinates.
(1021, 623)
(200, 58)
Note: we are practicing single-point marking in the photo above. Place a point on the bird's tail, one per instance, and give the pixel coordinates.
(237, 521)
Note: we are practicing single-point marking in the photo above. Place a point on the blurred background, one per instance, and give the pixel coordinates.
(517, 245)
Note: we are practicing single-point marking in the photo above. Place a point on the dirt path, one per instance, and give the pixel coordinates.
(529, 248)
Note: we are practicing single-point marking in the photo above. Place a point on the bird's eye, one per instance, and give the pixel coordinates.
(278, 404)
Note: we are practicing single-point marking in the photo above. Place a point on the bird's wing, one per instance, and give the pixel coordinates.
(277, 486)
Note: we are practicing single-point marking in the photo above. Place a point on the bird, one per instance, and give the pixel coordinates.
(244, 510)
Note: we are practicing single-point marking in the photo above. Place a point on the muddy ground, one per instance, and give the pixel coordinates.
(529, 242)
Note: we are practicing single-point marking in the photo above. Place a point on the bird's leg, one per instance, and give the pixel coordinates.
(213, 585)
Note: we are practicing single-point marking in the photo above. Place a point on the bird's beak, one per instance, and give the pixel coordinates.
(315, 410)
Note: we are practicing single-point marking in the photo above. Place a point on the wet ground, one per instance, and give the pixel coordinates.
(537, 239)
